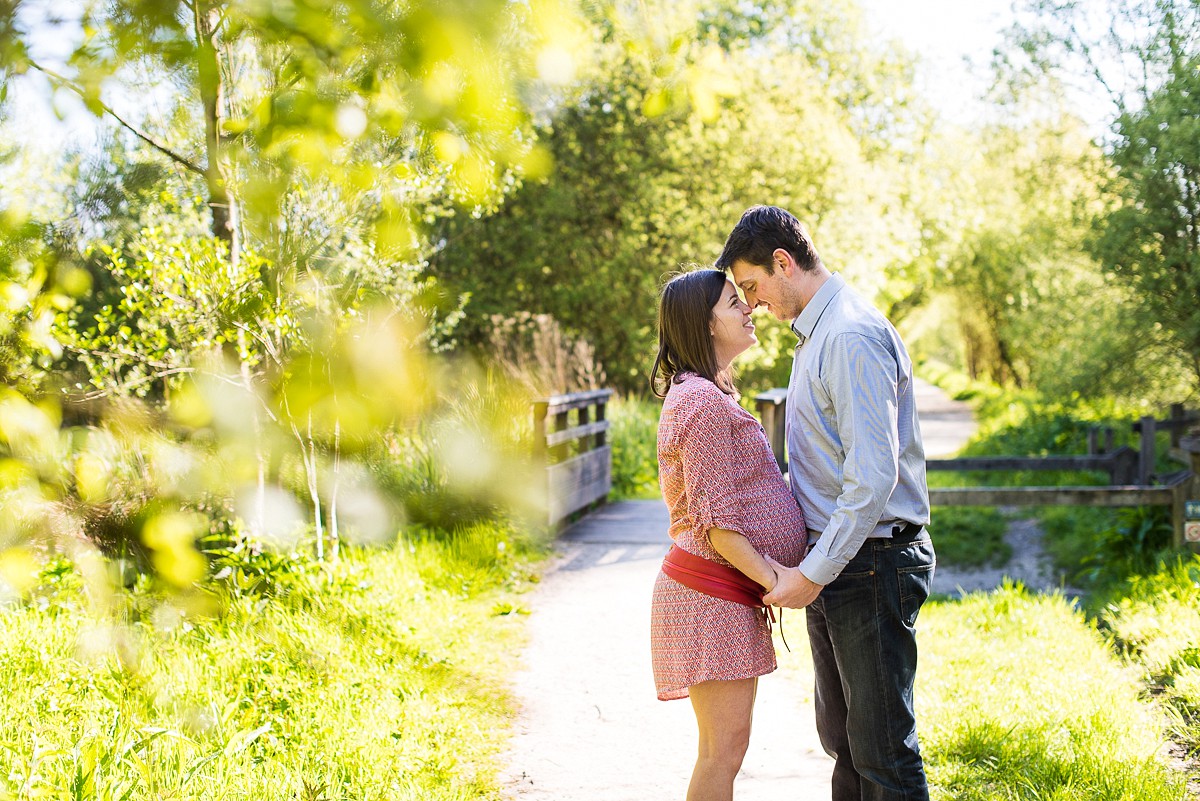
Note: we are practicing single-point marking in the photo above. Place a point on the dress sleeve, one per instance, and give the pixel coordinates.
(706, 448)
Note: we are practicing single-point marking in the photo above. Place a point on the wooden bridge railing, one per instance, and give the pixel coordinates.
(578, 457)
(1131, 472)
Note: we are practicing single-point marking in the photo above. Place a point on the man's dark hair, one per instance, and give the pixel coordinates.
(761, 230)
(685, 342)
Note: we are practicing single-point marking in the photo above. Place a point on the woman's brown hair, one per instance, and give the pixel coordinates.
(685, 343)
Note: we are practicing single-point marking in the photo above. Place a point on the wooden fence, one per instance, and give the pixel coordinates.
(578, 457)
(1132, 480)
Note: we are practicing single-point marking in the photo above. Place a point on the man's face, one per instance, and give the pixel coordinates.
(773, 291)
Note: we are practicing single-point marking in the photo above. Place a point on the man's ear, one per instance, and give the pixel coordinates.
(783, 261)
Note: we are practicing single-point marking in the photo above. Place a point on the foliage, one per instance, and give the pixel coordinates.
(643, 184)
(174, 304)
(282, 86)
(1030, 307)
(1001, 718)
(467, 461)
(633, 436)
(1143, 55)
(1151, 238)
(1154, 621)
(379, 677)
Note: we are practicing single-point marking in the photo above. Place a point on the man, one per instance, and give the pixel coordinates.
(857, 468)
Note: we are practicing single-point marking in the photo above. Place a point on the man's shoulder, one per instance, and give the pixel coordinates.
(854, 314)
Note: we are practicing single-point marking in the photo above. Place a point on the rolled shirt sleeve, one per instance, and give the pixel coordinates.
(860, 375)
(705, 442)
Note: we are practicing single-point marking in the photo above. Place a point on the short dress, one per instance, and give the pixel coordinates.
(716, 469)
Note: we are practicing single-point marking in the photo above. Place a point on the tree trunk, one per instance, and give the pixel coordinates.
(220, 201)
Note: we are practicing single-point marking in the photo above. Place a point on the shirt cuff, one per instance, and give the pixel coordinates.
(820, 569)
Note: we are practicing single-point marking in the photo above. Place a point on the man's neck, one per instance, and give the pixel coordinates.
(810, 283)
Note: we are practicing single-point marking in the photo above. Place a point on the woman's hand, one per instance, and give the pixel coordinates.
(793, 589)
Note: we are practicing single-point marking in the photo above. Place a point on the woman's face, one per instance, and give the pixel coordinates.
(731, 327)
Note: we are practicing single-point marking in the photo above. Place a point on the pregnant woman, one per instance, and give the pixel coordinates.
(710, 634)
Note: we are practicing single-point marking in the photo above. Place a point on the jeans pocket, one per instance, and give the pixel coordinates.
(862, 565)
(915, 577)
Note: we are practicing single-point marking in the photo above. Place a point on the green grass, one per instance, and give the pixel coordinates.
(969, 536)
(381, 678)
(1019, 697)
(1155, 624)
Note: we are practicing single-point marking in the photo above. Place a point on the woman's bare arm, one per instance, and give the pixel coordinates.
(741, 554)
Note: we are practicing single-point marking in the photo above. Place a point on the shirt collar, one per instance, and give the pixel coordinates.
(804, 325)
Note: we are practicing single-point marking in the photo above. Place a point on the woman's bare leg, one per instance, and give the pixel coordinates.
(723, 711)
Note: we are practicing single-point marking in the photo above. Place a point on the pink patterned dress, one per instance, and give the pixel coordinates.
(716, 470)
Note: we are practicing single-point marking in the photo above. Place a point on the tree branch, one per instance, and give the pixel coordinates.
(63, 81)
(128, 385)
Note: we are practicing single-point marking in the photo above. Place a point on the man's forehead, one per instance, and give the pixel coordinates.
(744, 272)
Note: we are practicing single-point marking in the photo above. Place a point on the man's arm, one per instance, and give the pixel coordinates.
(860, 375)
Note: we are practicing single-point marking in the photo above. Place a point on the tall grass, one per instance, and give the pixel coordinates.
(1020, 698)
(382, 676)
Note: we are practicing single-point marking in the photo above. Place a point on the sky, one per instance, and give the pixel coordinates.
(954, 40)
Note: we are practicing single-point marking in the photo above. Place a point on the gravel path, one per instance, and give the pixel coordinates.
(591, 728)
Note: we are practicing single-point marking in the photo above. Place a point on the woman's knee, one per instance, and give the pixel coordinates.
(727, 745)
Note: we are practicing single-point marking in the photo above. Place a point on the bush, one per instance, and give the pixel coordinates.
(633, 435)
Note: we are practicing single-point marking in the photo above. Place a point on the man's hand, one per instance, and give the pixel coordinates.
(793, 590)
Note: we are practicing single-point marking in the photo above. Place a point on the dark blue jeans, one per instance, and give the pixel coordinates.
(862, 631)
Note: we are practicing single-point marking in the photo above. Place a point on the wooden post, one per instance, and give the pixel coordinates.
(1124, 470)
(772, 411)
(600, 440)
(601, 412)
(1093, 435)
(1177, 424)
(1108, 439)
(1146, 455)
(1188, 491)
(585, 417)
(559, 452)
(539, 427)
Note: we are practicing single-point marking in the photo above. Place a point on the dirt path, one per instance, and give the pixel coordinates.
(591, 728)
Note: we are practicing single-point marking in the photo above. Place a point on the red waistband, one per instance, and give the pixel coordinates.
(712, 578)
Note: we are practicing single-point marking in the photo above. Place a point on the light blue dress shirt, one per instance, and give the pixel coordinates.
(855, 460)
